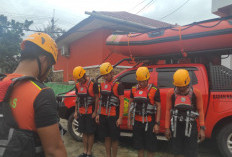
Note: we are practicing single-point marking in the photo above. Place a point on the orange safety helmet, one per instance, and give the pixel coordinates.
(105, 68)
(45, 42)
(142, 74)
(78, 72)
(181, 78)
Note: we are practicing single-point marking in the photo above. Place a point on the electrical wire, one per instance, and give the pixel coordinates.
(138, 4)
(175, 9)
(145, 6)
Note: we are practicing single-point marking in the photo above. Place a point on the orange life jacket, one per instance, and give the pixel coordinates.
(141, 105)
(109, 97)
(85, 99)
(18, 133)
(183, 102)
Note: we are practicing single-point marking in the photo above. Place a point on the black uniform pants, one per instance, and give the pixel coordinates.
(144, 139)
(108, 127)
(184, 145)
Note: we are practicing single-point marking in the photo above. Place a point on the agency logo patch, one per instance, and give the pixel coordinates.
(183, 99)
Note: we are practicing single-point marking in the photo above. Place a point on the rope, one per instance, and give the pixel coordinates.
(184, 54)
(131, 56)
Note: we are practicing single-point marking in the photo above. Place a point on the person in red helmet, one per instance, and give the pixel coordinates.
(86, 108)
(33, 107)
(184, 106)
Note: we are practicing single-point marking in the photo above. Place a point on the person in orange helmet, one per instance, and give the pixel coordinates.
(144, 113)
(184, 106)
(32, 104)
(86, 108)
(108, 118)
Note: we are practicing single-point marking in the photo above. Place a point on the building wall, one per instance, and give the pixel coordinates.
(222, 7)
(87, 51)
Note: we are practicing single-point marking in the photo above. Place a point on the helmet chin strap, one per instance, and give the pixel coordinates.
(39, 65)
(40, 76)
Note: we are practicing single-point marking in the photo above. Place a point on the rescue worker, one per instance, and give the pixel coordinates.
(144, 113)
(109, 118)
(86, 108)
(184, 106)
(33, 105)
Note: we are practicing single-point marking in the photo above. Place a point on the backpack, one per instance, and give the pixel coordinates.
(10, 134)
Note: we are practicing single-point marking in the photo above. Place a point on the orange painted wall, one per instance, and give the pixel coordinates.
(87, 51)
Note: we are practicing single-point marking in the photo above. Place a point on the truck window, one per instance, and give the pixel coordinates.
(128, 80)
(220, 77)
(165, 79)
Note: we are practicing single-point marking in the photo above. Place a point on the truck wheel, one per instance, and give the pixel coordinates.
(224, 140)
(73, 125)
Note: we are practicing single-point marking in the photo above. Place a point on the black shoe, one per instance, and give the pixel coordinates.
(83, 155)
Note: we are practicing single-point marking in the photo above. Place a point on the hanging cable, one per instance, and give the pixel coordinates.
(145, 7)
(138, 4)
(176, 9)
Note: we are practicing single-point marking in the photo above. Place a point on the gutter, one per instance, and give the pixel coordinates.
(116, 20)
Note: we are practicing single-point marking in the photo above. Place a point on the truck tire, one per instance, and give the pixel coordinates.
(224, 140)
(73, 125)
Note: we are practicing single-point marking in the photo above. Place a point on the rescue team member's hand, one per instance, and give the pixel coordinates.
(94, 114)
(156, 129)
(119, 121)
(97, 119)
(168, 134)
(75, 115)
(201, 135)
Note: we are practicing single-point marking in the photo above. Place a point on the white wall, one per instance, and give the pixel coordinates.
(223, 8)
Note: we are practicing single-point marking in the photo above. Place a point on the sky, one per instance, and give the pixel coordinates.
(70, 12)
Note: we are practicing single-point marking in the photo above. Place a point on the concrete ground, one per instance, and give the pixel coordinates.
(74, 148)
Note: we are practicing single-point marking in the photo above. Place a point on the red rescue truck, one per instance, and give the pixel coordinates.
(207, 74)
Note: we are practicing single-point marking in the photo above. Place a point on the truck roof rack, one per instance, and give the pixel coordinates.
(155, 58)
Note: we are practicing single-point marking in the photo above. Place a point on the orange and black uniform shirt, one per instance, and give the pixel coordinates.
(118, 91)
(33, 104)
(92, 91)
(153, 95)
(199, 105)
